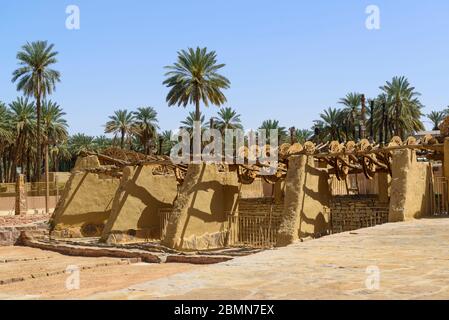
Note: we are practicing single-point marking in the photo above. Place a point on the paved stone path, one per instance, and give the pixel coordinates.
(412, 257)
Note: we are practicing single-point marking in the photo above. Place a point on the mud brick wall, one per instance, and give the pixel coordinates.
(259, 207)
(355, 212)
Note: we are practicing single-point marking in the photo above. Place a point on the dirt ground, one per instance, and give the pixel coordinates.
(45, 277)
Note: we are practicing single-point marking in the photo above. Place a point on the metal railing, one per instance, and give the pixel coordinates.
(253, 230)
(439, 191)
(357, 218)
(354, 184)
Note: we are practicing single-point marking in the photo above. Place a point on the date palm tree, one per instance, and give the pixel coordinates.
(330, 124)
(6, 138)
(436, 117)
(37, 79)
(55, 130)
(303, 135)
(274, 125)
(351, 111)
(227, 118)
(146, 125)
(189, 122)
(55, 126)
(165, 142)
(81, 143)
(24, 121)
(194, 78)
(121, 124)
(404, 109)
(102, 143)
(5, 125)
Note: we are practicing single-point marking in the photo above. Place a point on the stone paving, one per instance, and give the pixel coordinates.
(412, 257)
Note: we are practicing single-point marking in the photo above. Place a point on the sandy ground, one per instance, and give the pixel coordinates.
(408, 260)
(94, 279)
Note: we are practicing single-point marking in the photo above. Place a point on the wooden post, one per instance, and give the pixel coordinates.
(371, 120)
(292, 135)
(21, 196)
(362, 133)
(161, 141)
(47, 180)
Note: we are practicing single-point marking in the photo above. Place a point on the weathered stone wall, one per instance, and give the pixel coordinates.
(135, 209)
(307, 194)
(410, 192)
(199, 218)
(85, 203)
(12, 226)
(355, 212)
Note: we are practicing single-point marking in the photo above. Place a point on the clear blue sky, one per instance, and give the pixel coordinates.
(286, 60)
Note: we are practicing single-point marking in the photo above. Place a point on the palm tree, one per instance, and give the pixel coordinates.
(404, 109)
(6, 137)
(102, 143)
(189, 122)
(303, 135)
(55, 130)
(352, 102)
(146, 127)
(55, 126)
(165, 142)
(24, 121)
(268, 125)
(436, 117)
(331, 124)
(36, 79)
(81, 143)
(194, 78)
(121, 123)
(5, 124)
(60, 153)
(227, 118)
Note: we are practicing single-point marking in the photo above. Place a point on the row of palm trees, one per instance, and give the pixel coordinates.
(396, 111)
(27, 127)
(19, 132)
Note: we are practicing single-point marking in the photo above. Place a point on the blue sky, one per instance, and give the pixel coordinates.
(286, 60)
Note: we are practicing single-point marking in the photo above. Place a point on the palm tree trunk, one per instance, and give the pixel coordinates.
(39, 147)
(386, 127)
(346, 131)
(354, 132)
(122, 139)
(28, 164)
(382, 125)
(197, 111)
(371, 133)
(196, 147)
(362, 124)
(5, 167)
